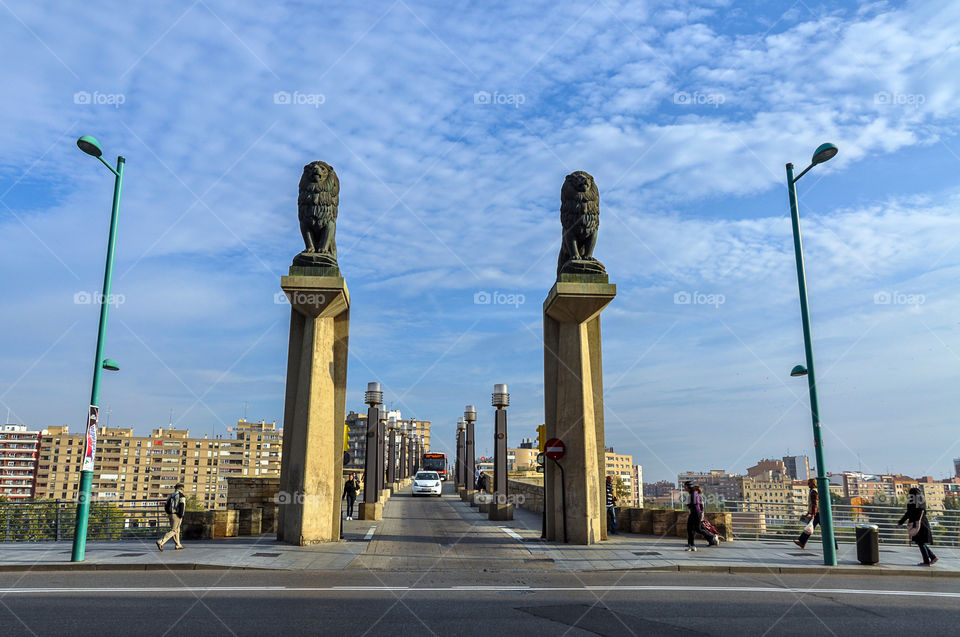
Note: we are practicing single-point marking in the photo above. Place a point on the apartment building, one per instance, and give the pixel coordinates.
(523, 458)
(18, 458)
(637, 478)
(356, 424)
(717, 482)
(146, 468)
(798, 467)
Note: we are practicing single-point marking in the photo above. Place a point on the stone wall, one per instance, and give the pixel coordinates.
(254, 500)
(658, 522)
(206, 525)
(526, 495)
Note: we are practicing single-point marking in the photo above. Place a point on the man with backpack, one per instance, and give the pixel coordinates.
(175, 506)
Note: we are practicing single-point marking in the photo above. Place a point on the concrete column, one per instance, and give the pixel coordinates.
(460, 482)
(311, 473)
(573, 406)
(392, 452)
(470, 453)
(500, 508)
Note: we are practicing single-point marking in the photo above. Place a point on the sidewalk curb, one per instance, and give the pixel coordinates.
(159, 566)
(800, 570)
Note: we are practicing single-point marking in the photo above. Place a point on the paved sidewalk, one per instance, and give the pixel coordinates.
(454, 535)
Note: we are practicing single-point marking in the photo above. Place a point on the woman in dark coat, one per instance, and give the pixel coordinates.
(917, 513)
(695, 519)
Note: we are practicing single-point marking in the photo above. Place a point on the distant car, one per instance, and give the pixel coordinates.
(427, 483)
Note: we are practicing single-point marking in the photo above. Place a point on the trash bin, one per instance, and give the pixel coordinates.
(868, 543)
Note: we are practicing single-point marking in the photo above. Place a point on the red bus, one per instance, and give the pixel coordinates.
(435, 462)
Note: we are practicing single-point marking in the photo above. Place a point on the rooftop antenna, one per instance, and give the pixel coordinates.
(245, 403)
(109, 411)
(170, 425)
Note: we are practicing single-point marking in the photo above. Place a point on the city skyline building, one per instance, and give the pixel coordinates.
(18, 461)
(146, 468)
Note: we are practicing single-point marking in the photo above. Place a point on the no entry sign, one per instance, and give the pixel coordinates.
(555, 449)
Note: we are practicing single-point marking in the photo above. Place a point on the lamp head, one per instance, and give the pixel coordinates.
(110, 364)
(799, 370)
(824, 152)
(90, 146)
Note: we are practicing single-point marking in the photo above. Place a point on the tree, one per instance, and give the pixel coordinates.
(194, 503)
(620, 491)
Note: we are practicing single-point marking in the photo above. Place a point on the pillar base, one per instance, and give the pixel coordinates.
(501, 512)
(371, 511)
(385, 495)
(467, 495)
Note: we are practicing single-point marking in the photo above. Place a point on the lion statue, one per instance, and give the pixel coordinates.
(580, 218)
(317, 210)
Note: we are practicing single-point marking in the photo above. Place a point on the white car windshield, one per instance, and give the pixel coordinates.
(427, 475)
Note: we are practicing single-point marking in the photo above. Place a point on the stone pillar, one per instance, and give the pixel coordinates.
(392, 452)
(311, 474)
(459, 481)
(573, 405)
(500, 508)
(470, 454)
(382, 437)
(372, 508)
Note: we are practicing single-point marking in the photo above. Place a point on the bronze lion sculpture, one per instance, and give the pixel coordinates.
(317, 210)
(580, 218)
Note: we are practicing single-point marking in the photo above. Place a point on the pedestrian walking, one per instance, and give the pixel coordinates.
(175, 506)
(350, 489)
(482, 481)
(695, 519)
(611, 507)
(812, 517)
(919, 527)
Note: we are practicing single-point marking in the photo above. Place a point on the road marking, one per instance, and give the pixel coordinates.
(466, 589)
(511, 533)
(490, 588)
(369, 533)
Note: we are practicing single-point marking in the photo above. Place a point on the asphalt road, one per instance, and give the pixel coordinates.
(423, 574)
(440, 533)
(355, 602)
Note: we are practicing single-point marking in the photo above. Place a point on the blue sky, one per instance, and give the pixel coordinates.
(684, 112)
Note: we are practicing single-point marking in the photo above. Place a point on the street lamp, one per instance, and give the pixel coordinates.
(470, 448)
(91, 146)
(501, 400)
(823, 153)
(461, 430)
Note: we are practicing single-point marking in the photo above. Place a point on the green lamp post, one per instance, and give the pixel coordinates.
(823, 153)
(91, 146)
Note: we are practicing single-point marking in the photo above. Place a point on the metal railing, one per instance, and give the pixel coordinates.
(54, 520)
(781, 521)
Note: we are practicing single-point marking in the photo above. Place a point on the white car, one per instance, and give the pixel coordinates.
(427, 483)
